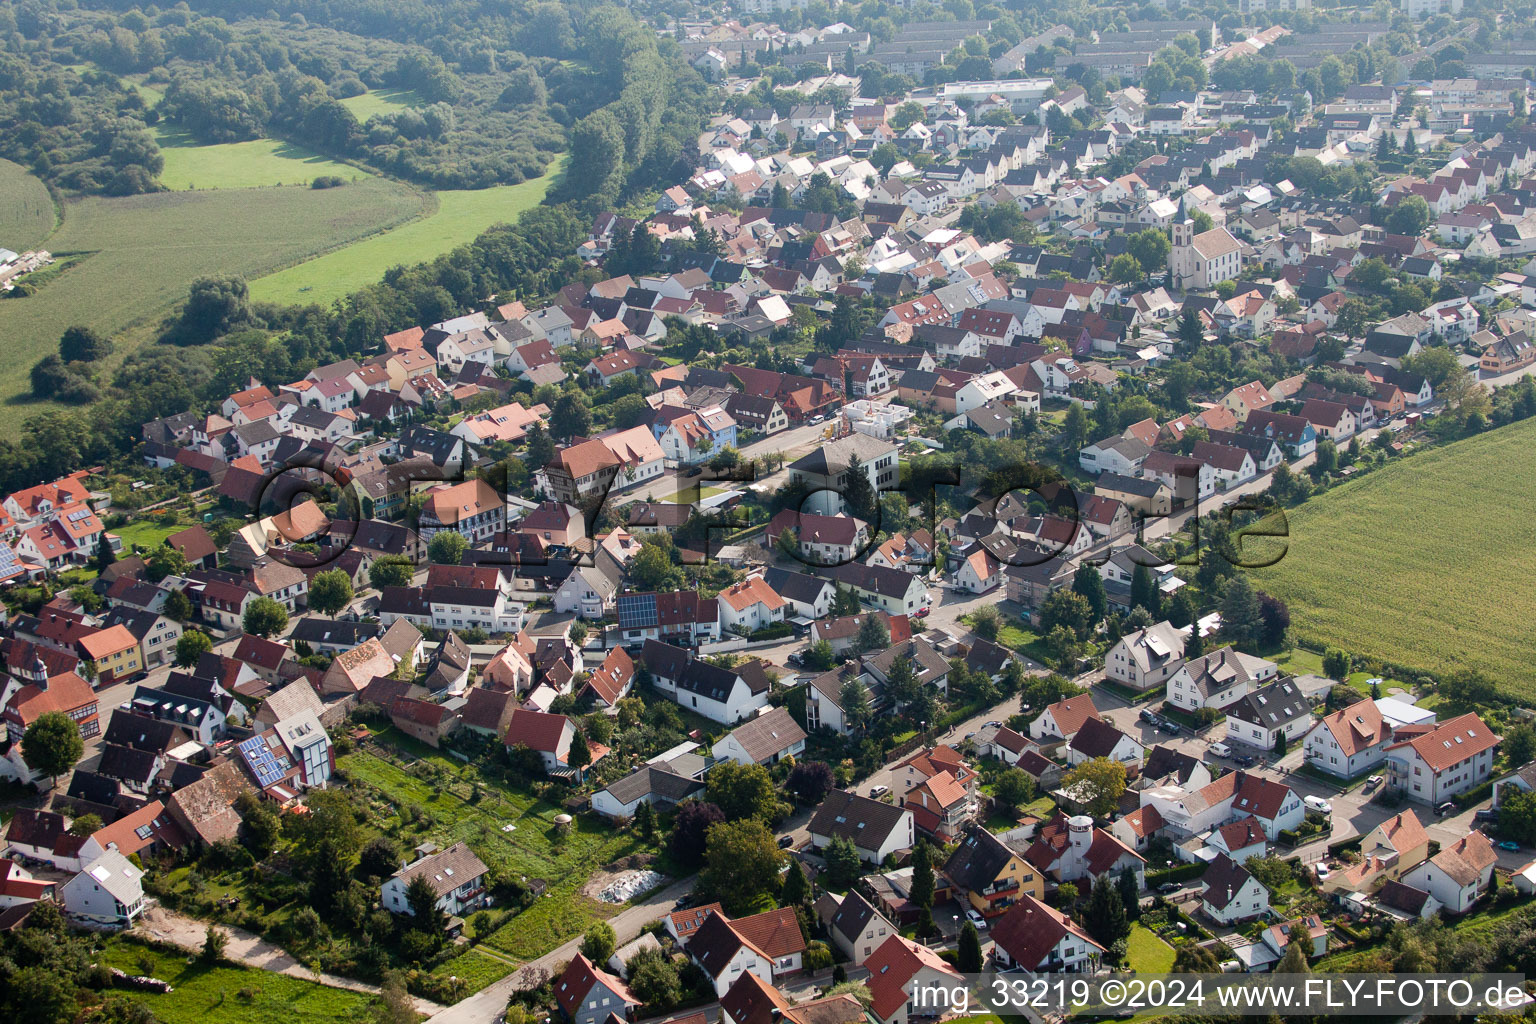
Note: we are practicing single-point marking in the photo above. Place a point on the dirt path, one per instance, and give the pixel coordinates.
(164, 925)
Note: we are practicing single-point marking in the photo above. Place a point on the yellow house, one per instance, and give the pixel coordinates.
(1251, 397)
(115, 652)
(989, 875)
(1387, 852)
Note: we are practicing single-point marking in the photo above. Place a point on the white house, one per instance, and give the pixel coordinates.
(876, 829)
(766, 739)
(1036, 938)
(108, 893)
(1230, 893)
(1260, 717)
(1098, 738)
(1217, 679)
(589, 995)
(1147, 658)
(1062, 720)
(456, 875)
(1449, 759)
(898, 969)
(1349, 741)
(1458, 874)
(750, 605)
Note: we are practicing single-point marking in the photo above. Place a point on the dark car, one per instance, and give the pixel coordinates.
(785, 842)
(1167, 887)
(1446, 808)
(1171, 728)
(1148, 716)
(1487, 814)
(695, 471)
(1246, 760)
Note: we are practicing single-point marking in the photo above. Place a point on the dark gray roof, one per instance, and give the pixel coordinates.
(651, 780)
(864, 821)
(978, 860)
(1223, 880)
(795, 586)
(852, 916)
(1271, 707)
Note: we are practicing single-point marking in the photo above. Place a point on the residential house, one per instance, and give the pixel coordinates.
(1261, 717)
(1146, 658)
(1458, 874)
(1217, 679)
(876, 829)
(1230, 894)
(1040, 939)
(766, 740)
(457, 876)
(989, 875)
(1437, 764)
(1350, 741)
(1062, 720)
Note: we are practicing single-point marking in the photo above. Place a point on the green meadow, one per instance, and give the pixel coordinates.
(26, 209)
(256, 163)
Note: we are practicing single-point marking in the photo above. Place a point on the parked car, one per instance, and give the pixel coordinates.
(694, 471)
(1372, 782)
(1171, 728)
(1149, 716)
(786, 841)
(1221, 750)
(1487, 814)
(1246, 760)
(975, 918)
(1168, 887)
(1446, 808)
(793, 659)
(970, 735)
(1318, 804)
(878, 792)
(1510, 845)
(1321, 870)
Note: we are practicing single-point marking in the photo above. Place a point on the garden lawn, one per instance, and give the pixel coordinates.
(460, 218)
(1147, 953)
(530, 851)
(190, 164)
(147, 533)
(142, 253)
(204, 994)
(1405, 564)
(26, 209)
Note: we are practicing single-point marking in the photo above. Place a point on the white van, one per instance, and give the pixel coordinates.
(1221, 750)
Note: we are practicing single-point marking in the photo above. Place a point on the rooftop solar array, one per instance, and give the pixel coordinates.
(265, 765)
(637, 611)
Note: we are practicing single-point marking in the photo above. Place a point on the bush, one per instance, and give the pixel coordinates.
(328, 181)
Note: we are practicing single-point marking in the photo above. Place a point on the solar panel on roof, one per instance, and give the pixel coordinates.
(637, 611)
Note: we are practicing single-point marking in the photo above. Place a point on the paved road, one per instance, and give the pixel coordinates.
(164, 925)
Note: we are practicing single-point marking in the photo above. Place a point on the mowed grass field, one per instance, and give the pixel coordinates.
(145, 251)
(381, 101)
(189, 164)
(26, 208)
(461, 216)
(1423, 563)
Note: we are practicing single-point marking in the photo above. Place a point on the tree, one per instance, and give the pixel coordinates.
(921, 892)
(1517, 815)
(843, 864)
(1409, 217)
(1281, 743)
(395, 1003)
(1074, 427)
(1013, 788)
(1123, 269)
(538, 447)
(599, 943)
(1105, 917)
(263, 617)
(190, 646)
(330, 591)
(214, 305)
(645, 821)
(165, 561)
(1193, 958)
(742, 791)
(85, 825)
(52, 745)
(1294, 960)
(741, 864)
(178, 607)
(1102, 782)
(968, 956)
(859, 494)
(690, 826)
(1191, 332)
(105, 556)
(811, 781)
(1128, 894)
(41, 995)
(819, 656)
(83, 345)
(654, 981)
(1090, 585)
(1336, 664)
(987, 622)
(1352, 318)
(1240, 618)
(379, 858)
(1150, 248)
(214, 943)
(1144, 592)
(391, 571)
(1066, 894)
(854, 699)
(259, 825)
(873, 635)
(447, 547)
(571, 416)
(1181, 610)
(1067, 609)
(421, 897)
(796, 891)
(1520, 744)
(580, 754)
(1274, 620)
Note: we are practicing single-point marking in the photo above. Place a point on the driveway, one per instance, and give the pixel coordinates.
(164, 925)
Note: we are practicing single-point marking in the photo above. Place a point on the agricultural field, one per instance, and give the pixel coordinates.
(190, 164)
(381, 101)
(460, 217)
(1412, 563)
(230, 993)
(26, 209)
(141, 253)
